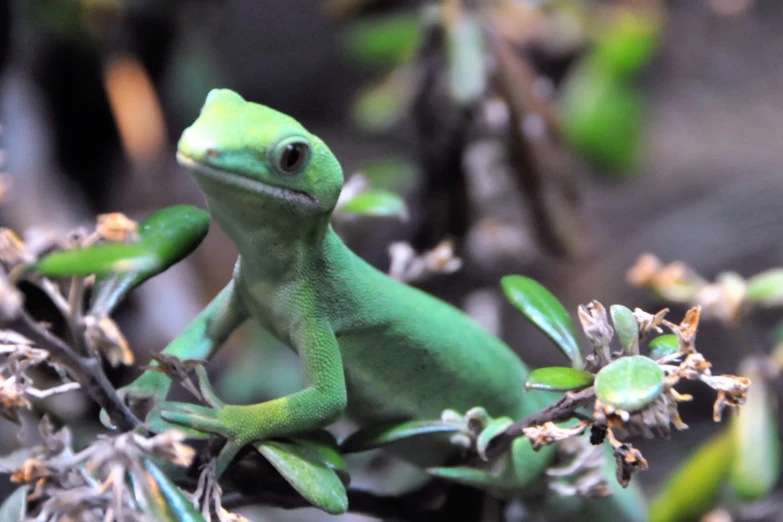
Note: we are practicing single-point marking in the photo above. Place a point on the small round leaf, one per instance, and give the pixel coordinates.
(627, 328)
(662, 346)
(558, 379)
(546, 313)
(629, 383)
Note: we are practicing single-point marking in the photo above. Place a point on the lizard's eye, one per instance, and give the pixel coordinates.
(291, 155)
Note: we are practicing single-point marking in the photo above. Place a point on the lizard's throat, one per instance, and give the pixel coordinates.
(274, 240)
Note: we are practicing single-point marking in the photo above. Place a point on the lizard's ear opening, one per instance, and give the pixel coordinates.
(290, 156)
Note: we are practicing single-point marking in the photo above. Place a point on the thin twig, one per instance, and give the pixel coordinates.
(57, 390)
(86, 371)
(51, 290)
(562, 410)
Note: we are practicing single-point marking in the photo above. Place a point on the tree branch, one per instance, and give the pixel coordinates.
(87, 371)
(562, 410)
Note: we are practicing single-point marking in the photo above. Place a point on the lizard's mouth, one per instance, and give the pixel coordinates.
(239, 180)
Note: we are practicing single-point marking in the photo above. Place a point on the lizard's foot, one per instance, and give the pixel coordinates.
(226, 420)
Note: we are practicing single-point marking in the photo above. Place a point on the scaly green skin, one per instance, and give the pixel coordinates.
(369, 346)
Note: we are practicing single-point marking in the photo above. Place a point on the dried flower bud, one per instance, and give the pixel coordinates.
(677, 282)
(549, 432)
(31, 471)
(226, 516)
(13, 338)
(732, 392)
(168, 446)
(628, 460)
(12, 248)
(11, 301)
(686, 330)
(644, 270)
(595, 324)
(723, 299)
(693, 367)
(116, 228)
(104, 335)
(441, 259)
(402, 256)
(11, 398)
(649, 322)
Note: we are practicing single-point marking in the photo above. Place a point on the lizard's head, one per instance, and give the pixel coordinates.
(246, 152)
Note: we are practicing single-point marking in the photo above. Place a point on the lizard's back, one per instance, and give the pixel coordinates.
(409, 355)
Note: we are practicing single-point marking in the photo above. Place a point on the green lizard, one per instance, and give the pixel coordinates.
(369, 346)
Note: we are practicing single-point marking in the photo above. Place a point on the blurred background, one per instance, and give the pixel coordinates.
(555, 139)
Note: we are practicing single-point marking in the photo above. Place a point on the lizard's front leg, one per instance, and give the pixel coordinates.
(203, 336)
(316, 406)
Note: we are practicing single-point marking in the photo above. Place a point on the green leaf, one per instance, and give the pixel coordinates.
(378, 435)
(382, 104)
(558, 379)
(307, 473)
(627, 45)
(383, 42)
(324, 444)
(466, 55)
(14, 508)
(602, 118)
(379, 203)
(493, 429)
(766, 288)
(626, 327)
(397, 174)
(629, 383)
(755, 468)
(662, 346)
(170, 234)
(473, 477)
(97, 259)
(692, 490)
(546, 313)
(160, 499)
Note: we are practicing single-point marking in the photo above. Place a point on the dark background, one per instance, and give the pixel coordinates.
(708, 190)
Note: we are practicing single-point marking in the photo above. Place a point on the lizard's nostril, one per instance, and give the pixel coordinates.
(213, 153)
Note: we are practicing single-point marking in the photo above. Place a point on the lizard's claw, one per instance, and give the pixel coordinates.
(225, 421)
(219, 418)
(201, 418)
